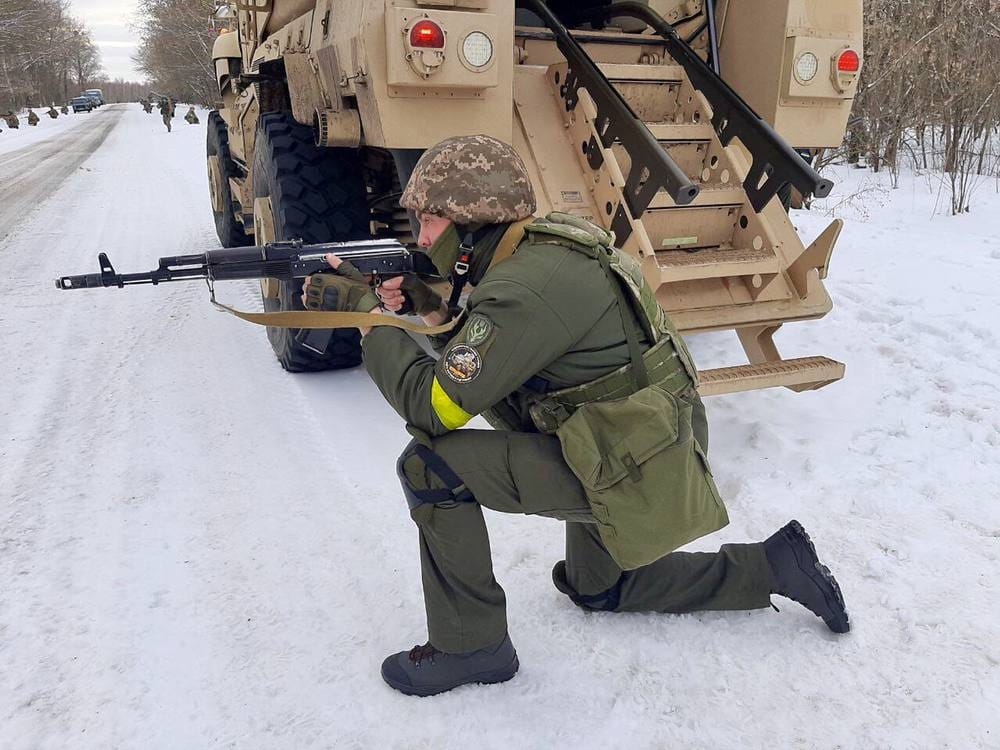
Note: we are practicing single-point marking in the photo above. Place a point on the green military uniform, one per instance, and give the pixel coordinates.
(539, 323)
(191, 117)
(32, 117)
(12, 121)
(564, 349)
(53, 112)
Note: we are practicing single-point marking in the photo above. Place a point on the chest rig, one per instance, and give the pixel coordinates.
(666, 363)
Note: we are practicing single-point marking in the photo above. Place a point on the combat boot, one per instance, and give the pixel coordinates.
(797, 573)
(423, 670)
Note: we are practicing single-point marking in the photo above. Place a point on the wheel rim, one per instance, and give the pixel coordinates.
(215, 183)
(263, 229)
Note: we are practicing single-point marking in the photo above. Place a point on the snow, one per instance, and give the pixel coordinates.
(200, 550)
(28, 135)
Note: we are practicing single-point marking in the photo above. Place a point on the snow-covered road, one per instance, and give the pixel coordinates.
(45, 157)
(199, 550)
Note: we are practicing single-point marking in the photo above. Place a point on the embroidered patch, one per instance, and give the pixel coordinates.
(462, 363)
(478, 330)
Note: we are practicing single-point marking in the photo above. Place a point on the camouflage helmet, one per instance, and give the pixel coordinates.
(471, 179)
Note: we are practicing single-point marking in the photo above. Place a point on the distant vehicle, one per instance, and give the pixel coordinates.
(95, 97)
(81, 103)
(95, 93)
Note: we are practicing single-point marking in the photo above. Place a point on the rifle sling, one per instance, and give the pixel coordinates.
(318, 319)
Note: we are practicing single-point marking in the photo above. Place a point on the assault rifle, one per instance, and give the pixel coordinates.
(285, 261)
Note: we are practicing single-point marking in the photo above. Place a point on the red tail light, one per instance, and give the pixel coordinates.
(848, 62)
(426, 34)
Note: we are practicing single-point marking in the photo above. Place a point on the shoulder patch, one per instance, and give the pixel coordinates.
(462, 363)
(478, 329)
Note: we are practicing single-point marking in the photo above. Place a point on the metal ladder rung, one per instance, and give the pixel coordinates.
(801, 374)
(687, 265)
(667, 131)
(708, 197)
(637, 73)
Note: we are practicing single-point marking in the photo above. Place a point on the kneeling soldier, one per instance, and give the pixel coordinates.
(32, 117)
(191, 117)
(563, 348)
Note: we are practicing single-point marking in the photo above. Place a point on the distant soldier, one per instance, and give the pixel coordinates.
(53, 112)
(191, 117)
(167, 111)
(147, 106)
(32, 117)
(12, 121)
(64, 109)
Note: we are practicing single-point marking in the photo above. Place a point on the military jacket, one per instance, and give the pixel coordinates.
(544, 319)
(565, 337)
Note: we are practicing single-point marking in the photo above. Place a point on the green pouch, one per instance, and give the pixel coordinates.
(647, 480)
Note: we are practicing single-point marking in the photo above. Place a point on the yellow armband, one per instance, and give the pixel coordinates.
(451, 414)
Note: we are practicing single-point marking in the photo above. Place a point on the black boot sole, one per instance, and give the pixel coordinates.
(820, 575)
(490, 677)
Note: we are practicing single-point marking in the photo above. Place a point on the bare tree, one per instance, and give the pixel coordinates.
(176, 48)
(43, 50)
(929, 90)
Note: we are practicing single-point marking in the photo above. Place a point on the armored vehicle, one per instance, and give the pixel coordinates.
(678, 124)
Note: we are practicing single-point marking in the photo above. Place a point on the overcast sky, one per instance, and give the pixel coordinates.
(108, 21)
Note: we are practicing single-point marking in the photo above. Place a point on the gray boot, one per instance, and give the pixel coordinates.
(423, 670)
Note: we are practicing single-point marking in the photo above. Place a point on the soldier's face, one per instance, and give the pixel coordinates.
(431, 227)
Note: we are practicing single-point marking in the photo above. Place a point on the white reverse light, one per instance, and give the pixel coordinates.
(806, 67)
(477, 49)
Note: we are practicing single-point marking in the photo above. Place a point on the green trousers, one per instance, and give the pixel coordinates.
(515, 472)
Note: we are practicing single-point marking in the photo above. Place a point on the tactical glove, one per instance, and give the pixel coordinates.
(343, 290)
(423, 299)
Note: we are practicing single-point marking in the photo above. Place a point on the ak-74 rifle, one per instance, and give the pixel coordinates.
(286, 261)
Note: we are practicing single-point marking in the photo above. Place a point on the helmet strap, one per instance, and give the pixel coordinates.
(460, 272)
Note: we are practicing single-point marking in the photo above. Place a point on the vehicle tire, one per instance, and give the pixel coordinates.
(227, 227)
(316, 195)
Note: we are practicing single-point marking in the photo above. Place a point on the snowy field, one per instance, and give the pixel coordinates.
(198, 550)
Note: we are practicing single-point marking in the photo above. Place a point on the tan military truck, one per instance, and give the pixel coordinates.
(632, 115)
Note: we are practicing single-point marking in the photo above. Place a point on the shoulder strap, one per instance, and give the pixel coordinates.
(510, 240)
(638, 372)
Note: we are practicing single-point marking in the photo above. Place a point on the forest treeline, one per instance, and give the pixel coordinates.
(46, 55)
(929, 95)
(175, 48)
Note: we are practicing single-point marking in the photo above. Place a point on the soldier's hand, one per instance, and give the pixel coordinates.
(344, 290)
(395, 293)
(345, 268)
